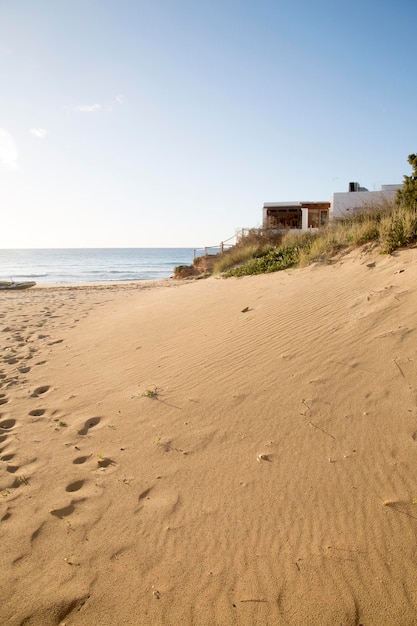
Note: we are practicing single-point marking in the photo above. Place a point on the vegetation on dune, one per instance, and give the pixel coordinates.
(387, 225)
(272, 261)
(407, 196)
(254, 245)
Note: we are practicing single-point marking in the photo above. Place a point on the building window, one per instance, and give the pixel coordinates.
(317, 218)
(313, 218)
(284, 219)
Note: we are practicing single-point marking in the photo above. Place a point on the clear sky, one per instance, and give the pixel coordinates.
(136, 123)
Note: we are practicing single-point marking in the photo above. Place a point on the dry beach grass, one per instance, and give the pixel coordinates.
(215, 452)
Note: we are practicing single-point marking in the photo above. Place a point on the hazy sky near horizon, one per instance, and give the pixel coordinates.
(170, 122)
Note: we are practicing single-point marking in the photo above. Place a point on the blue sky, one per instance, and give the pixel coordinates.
(170, 122)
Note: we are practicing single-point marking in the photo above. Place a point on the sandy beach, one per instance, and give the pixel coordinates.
(212, 452)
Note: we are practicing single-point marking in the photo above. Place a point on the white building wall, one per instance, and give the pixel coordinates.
(347, 203)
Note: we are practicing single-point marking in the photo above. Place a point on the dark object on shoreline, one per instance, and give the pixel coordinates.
(10, 284)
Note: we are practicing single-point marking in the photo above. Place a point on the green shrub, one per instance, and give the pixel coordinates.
(238, 255)
(272, 261)
(407, 196)
(398, 229)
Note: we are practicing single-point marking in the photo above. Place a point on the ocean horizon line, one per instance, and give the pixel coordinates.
(107, 248)
(88, 265)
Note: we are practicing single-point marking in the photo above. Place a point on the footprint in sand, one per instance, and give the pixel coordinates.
(12, 381)
(24, 370)
(66, 510)
(144, 494)
(40, 391)
(93, 421)
(157, 501)
(11, 360)
(75, 486)
(37, 412)
(80, 460)
(414, 435)
(7, 424)
(11, 469)
(7, 457)
(3, 398)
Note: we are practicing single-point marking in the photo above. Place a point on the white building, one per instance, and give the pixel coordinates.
(358, 198)
(305, 216)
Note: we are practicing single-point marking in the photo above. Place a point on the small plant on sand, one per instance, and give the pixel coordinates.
(151, 393)
(157, 440)
(62, 424)
(414, 500)
(104, 461)
(68, 526)
(101, 459)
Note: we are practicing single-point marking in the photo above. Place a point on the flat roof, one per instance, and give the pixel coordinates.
(269, 205)
(273, 205)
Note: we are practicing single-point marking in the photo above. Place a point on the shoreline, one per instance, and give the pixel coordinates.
(125, 285)
(238, 452)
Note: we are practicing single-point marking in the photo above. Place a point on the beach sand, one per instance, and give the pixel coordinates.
(212, 452)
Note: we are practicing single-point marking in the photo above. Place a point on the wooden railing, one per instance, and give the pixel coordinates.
(240, 234)
(219, 249)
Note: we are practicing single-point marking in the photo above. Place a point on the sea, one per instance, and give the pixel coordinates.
(80, 266)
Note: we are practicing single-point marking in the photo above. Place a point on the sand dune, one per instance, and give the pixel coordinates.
(214, 452)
